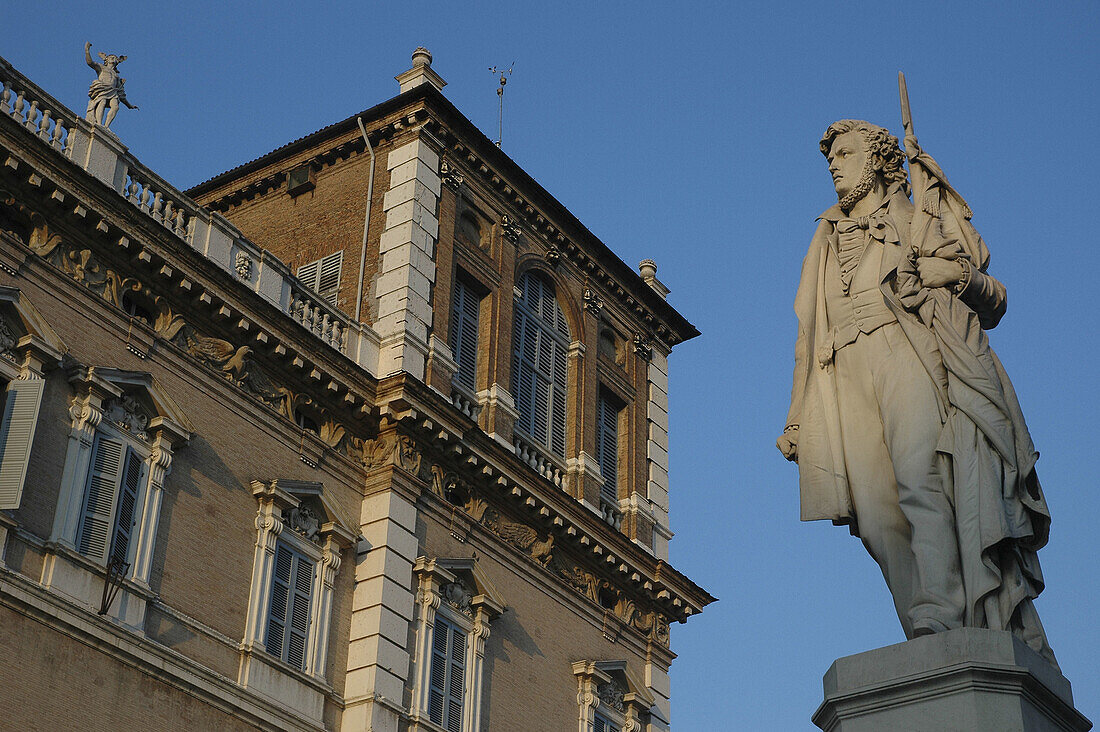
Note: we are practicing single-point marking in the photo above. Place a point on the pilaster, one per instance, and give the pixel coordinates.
(657, 447)
(407, 259)
(382, 606)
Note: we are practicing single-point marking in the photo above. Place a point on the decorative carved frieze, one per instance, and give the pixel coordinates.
(643, 346)
(553, 256)
(235, 363)
(540, 545)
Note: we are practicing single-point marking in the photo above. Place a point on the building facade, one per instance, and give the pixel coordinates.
(369, 433)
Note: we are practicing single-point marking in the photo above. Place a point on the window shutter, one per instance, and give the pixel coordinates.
(607, 446)
(463, 335)
(540, 363)
(100, 498)
(298, 620)
(447, 679)
(280, 596)
(457, 685)
(437, 687)
(561, 376)
(127, 506)
(288, 617)
(328, 277)
(307, 273)
(16, 435)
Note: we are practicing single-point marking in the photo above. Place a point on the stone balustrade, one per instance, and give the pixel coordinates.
(100, 153)
(538, 459)
(611, 513)
(34, 109)
(465, 401)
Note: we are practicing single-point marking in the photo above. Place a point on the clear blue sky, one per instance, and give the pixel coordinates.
(687, 132)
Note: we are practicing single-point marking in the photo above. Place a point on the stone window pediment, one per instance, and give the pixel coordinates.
(611, 697)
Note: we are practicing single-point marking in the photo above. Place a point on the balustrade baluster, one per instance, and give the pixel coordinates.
(58, 130)
(44, 125)
(145, 196)
(5, 97)
(158, 203)
(17, 110)
(32, 116)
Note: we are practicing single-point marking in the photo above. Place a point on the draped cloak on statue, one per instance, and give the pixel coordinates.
(986, 453)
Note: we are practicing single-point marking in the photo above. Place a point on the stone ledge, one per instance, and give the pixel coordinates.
(965, 679)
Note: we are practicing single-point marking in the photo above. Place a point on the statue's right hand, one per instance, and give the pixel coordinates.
(87, 45)
(788, 444)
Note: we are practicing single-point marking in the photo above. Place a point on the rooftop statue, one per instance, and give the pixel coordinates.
(107, 90)
(903, 422)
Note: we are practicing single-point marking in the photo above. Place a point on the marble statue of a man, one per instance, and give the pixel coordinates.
(107, 90)
(902, 421)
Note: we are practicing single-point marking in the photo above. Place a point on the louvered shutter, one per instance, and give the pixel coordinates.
(328, 277)
(523, 370)
(298, 620)
(437, 685)
(447, 678)
(20, 417)
(280, 600)
(540, 363)
(128, 492)
(603, 724)
(557, 425)
(323, 276)
(288, 616)
(456, 684)
(100, 498)
(307, 273)
(463, 334)
(607, 446)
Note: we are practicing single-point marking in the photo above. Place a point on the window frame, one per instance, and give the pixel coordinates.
(454, 592)
(134, 452)
(320, 541)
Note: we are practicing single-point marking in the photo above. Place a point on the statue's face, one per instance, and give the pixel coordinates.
(847, 161)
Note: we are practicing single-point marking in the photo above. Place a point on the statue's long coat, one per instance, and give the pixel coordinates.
(1001, 515)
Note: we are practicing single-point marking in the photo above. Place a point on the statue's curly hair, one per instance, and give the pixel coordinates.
(886, 154)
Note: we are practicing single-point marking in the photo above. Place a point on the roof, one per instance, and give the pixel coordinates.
(500, 160)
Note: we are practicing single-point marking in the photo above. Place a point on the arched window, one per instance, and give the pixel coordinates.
(540, 340)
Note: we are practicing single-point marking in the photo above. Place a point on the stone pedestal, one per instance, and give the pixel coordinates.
(966, 680)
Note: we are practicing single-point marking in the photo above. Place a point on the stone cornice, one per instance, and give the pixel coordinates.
(77, 214)
(496, 471)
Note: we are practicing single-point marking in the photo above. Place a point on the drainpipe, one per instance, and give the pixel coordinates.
(366, 225)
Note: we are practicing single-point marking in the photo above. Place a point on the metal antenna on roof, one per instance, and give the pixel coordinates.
(504, 74)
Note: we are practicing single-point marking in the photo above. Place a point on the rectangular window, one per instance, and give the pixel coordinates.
(21, 404)
(447, 686)
(323, 276)
(288, 616)
(607, 444)
(465, 308)
(110, 501)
